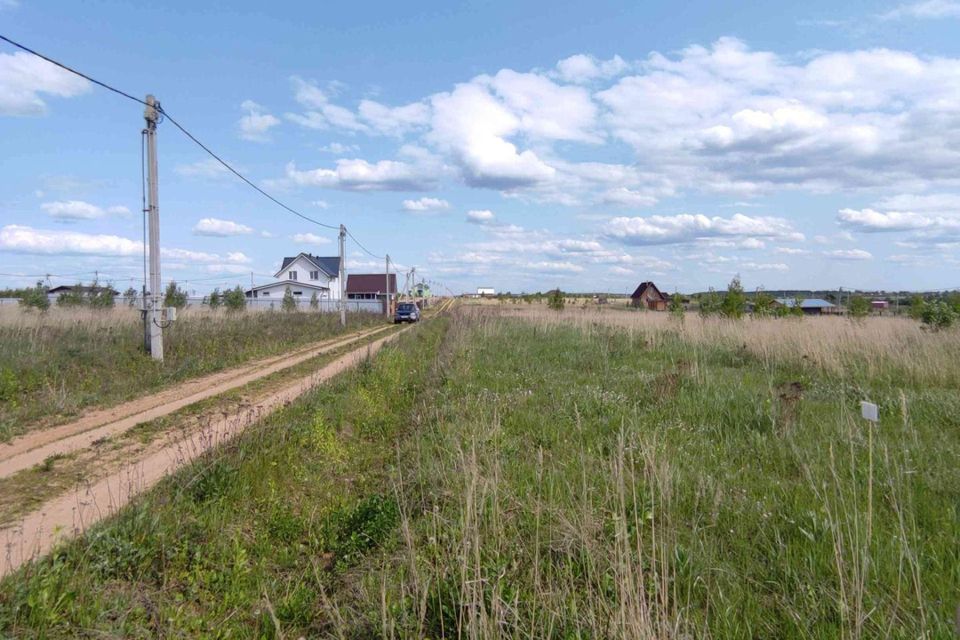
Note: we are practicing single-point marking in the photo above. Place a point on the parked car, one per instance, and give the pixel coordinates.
(406, 312)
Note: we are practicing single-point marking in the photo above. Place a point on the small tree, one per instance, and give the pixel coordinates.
(797, 309)
(100, 297)
(314, 301)
(234, 299)
(555, 300)
(858, 307)
(130, 295)
(175, 296)
(762, 304)
(917, 304)
(289, 302)
(709, 303)
(676, 307)
(937, 315)
(216, 299)
(71, 298)
(35, 298)
(735, 301)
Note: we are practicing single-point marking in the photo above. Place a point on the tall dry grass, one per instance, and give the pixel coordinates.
(875, 347)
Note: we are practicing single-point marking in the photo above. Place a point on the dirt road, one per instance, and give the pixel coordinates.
(71, 514)
(35, 447)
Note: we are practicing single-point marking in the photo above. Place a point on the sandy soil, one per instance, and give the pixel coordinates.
(34, 447)
(71, 514)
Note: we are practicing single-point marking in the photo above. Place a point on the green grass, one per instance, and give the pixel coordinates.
(52, 369)
(504, 479)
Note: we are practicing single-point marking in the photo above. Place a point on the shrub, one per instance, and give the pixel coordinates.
(314, 301)
(289, 302)
(72, 298)
(216, 299)
(175, 296)
(676, 307)
(131, 296)
(555, 300)
(763, 304)
(35, 298)
(858, 307)
(100, 297)
(234, 299)
(735, 301)
(709, 303)
(937, 315)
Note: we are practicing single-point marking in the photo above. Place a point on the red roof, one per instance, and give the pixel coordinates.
(370, 283)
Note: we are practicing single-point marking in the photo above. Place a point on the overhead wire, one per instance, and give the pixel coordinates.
(185, 132)
(359, 244)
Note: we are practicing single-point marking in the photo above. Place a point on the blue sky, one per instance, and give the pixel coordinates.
(517, 145)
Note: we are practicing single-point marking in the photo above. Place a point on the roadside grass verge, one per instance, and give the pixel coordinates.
(58, 474)
(248, 540)
(52, 367)
(504, 478)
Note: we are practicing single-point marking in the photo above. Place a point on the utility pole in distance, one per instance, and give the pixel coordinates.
(343, 276)
(153, 315)
(386, 303)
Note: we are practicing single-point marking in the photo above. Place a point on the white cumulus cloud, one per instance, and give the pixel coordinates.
(424, 205)
(70, 210)
(220, 228)
(480, 216)
(256, 124)
(689, 227)
(310, 238)
(24, 77)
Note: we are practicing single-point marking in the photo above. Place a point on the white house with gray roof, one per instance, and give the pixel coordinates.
(305, 274)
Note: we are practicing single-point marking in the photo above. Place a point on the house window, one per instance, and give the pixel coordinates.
(265, 294)
(298, 293)
(293, 275)
(314, 275)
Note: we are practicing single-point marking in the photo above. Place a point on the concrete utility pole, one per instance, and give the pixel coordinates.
(343, 276)
(386, 303)
(153, 309)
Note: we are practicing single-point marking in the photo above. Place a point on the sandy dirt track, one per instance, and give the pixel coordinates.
(71, 514)
(34, 447)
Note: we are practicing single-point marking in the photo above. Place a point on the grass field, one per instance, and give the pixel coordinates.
(55, 364)
(556, 476)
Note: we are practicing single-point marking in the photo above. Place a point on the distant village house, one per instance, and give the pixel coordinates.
(304, 274)
(648, 296)
(372, 286)
(809, 306)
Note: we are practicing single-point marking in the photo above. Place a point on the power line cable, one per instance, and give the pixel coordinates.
(359, 244)
(73, 71)
(238, 174)
(182, 129)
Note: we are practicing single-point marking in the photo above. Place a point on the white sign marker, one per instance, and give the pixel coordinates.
(869, 411)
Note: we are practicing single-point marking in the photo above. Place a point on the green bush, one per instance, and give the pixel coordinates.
(555, 300)
(735, 301)
(235, 299)
(35, 298)
(937, 315)
(858, 307)
(289, 302)
(175, 296)
(100, 297)
(73, 298)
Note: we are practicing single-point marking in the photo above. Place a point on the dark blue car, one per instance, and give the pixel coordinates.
(406, 312)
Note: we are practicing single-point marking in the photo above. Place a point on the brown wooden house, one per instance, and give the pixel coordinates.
(648, 296)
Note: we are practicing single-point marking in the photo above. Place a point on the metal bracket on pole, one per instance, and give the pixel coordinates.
(154, 312)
